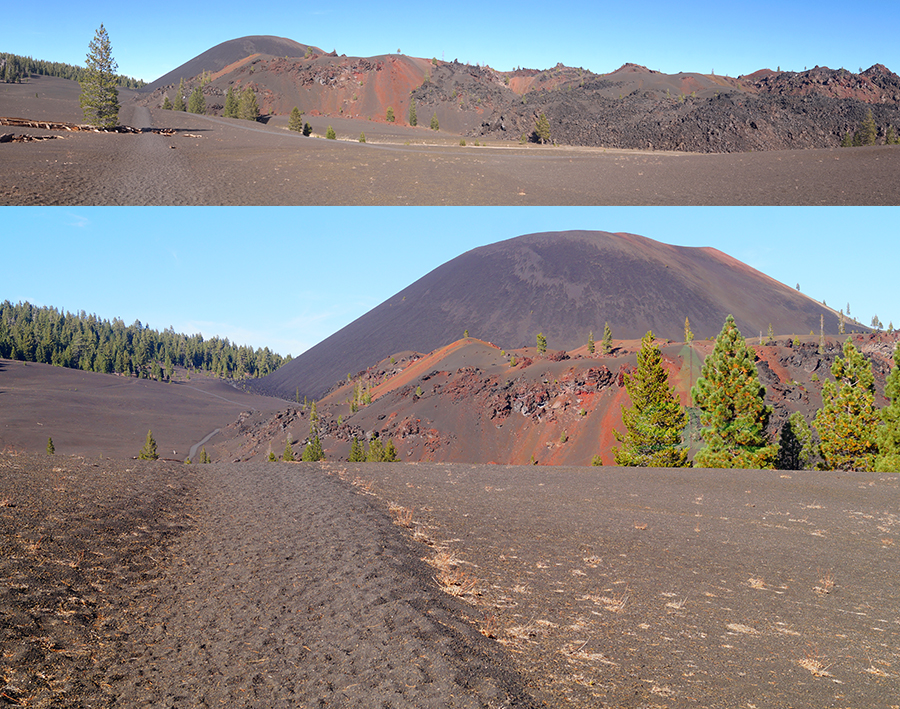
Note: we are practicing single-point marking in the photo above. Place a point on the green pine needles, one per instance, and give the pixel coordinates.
(99, 95)
(656, 419)
(148, 452)
(848, 420)
(888, 460)
(732, 406)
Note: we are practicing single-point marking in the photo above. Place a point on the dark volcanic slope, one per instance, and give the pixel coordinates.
(565, 285)
(227, 53)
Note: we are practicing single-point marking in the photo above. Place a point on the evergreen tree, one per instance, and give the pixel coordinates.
(295, 122)
(732, 406)
(313, 450)
(390, 452)
(51, 449)
(362, 137)
(307, 129)
(606, 342)
(435, 125)
(590, 344)
(204, 456)
(167, 104)
(179, 98)
(231, 104)
(868, 132)
(389, 114)
(271, 457)
(794, 444)
(413, 120)
(99, 96)
(542, 129)
(148, 452)
(688, 335)
(330, 134)
(541, 343)
(357, 454)
(375, 454)
(288, 455)
(656, 419)
(848, 420)
(196, 103)
(248, 108)
(888, 460)
(890, 138)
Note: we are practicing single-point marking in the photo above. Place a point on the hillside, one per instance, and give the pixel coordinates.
(564, 285)
(630, 107)
(471, 402)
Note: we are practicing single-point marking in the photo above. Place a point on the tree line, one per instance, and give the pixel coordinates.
(15, 68)
(81, 341)
(851, 433)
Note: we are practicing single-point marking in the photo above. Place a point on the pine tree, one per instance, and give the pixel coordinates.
(99, 95)
(375, 454)
(390, 452)
(413, 120)
(248, 108)
(848, 421)
(606, 342)
(732, 406)
(196, 103)
(288, 455)
(541, 343)
(656, 419)
(307, 129)
(167, 104)
(688, 335)
(542, 129)
(435, 125)
(148, 452)
(231, 104)
(295, 122)
(204, 456)
(794, 444)
(313, 450)
(271, 457)
(51, 449)
(590, 344)
(357, 454)
(389, 114)
(888, 460)
(868, 132)
(330, 134)
(179, 98)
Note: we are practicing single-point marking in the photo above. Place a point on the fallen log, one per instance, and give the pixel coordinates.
(58, 125)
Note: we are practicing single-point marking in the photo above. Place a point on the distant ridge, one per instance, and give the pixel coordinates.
(565, 285)
(220, 56)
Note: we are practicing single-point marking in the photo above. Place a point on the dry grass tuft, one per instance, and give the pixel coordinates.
(756, 583)
(402, 515)
(826, 584)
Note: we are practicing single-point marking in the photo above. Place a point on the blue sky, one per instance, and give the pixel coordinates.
(287, 278)
(728, 38)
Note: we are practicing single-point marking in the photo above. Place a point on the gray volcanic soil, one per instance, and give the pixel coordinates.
(145, 584)
(226, 161)
(672, 588)
(134, 583)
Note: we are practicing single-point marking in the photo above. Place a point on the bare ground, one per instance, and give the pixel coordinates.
(226, 161)
(133, 583)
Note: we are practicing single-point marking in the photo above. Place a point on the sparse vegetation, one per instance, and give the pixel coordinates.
(413, 119)
(330, 134)
(389, 114)
(362, 137)
(51, 449)
(435, 125)
(888, 437)
(542, 129)
(541, 343)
